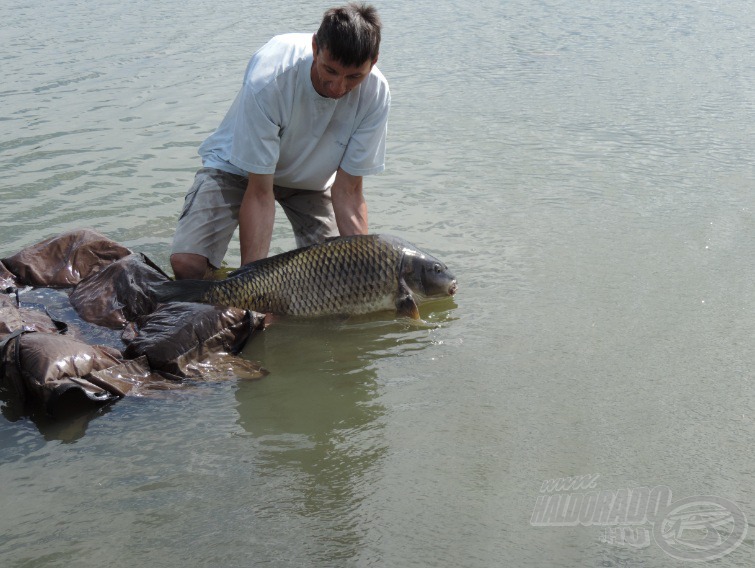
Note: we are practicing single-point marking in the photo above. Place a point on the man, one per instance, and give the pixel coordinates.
(308, 123)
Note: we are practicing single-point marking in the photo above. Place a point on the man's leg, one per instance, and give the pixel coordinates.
(310, 214)
(187, 265)
(207, 222)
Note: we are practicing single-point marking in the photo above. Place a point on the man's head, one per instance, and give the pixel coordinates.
(351, 34)
(344, 49)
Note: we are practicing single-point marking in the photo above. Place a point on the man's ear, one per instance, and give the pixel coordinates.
(314, 44)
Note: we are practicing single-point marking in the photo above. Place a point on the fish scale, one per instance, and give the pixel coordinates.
(344, 275)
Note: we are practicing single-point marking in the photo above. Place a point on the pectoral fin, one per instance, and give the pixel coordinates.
(406, 306)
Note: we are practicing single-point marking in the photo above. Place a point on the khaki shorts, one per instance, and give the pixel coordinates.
(211, 214)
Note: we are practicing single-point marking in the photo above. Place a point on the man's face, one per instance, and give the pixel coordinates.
(331, 78)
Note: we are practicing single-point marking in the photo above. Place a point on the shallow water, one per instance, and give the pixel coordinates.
(586, 170)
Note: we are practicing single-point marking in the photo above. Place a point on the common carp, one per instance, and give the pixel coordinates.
(340, 276)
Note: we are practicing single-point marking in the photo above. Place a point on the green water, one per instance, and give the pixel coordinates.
(586, 171)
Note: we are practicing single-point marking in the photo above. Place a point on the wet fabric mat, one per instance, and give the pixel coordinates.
(98, 291)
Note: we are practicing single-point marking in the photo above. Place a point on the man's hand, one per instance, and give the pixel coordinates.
(348, 204)
(256, 218)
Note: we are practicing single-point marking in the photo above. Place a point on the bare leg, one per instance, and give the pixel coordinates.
(188, 265)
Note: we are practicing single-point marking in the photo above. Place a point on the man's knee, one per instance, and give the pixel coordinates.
(187, 265)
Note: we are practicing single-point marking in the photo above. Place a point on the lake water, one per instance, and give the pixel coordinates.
(586, 169)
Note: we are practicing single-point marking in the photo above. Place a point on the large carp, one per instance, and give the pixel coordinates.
(343, 275)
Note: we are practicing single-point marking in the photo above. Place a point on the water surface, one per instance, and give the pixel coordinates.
(585, 168)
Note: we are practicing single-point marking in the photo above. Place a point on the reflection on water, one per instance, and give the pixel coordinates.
(316, 420)
(67, 428)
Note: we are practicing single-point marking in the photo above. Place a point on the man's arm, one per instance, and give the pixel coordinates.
(348, 204)
(256, 218)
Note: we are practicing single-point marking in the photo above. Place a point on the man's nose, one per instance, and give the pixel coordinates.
(339, 85)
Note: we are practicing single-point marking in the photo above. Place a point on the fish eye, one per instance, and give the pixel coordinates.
(438, 268)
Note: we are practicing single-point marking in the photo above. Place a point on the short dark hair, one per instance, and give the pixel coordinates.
(351, 34)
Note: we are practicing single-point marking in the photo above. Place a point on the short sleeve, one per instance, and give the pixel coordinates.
(365, 152)
(255, 144)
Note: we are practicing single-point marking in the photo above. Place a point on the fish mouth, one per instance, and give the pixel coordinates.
(452, 288)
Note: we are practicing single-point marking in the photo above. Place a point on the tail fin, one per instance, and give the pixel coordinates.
(182, 290)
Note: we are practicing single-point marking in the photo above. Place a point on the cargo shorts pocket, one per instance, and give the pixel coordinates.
(189, 200)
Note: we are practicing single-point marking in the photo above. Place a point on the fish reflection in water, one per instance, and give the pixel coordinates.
(317, 420)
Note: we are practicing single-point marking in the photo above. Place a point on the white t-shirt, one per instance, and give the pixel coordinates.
(278, 124)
